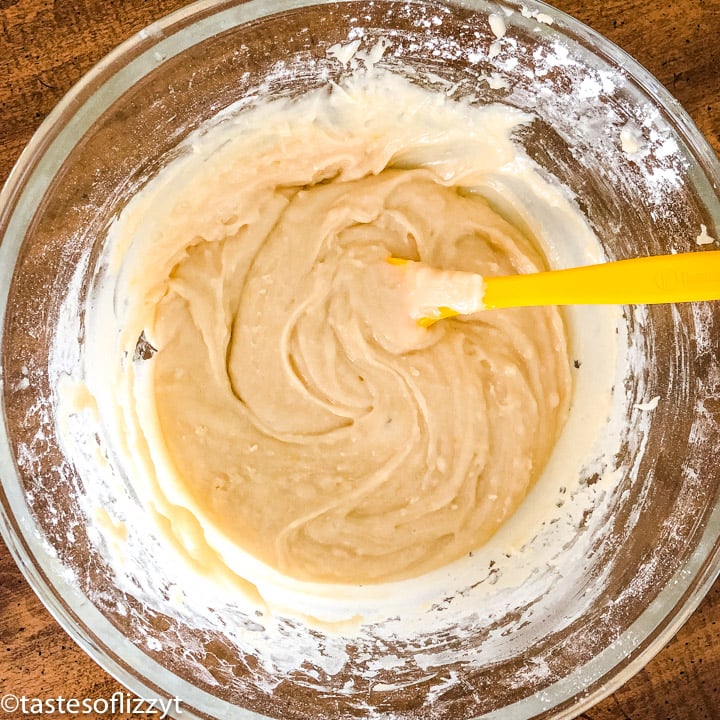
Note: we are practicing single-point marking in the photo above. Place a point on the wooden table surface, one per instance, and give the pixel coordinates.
(47, 45)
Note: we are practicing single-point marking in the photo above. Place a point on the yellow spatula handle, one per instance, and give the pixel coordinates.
(657, 279)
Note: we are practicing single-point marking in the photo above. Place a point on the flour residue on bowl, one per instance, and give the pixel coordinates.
(397, 634)
(511, 181)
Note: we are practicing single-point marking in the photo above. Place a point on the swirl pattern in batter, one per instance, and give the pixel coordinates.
(291, 407)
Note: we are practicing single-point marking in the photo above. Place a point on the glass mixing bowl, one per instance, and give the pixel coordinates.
(645, 543)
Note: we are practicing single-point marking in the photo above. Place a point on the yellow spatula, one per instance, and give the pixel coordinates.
(685, 277)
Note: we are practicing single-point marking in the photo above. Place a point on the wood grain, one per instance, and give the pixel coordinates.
(46, 46)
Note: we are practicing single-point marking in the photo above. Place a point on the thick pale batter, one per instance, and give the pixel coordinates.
(291, 413)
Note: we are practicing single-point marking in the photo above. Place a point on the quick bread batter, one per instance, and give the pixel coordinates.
(279, 410)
